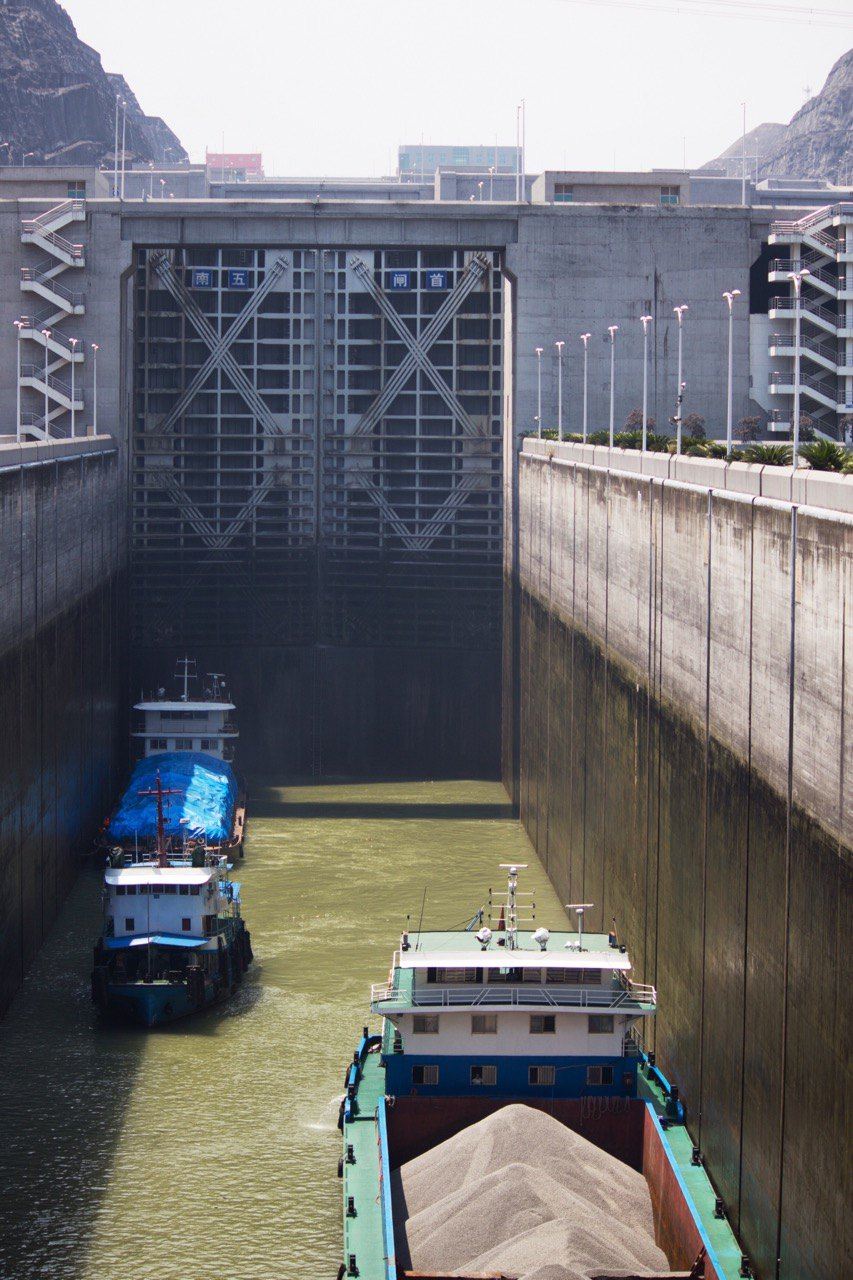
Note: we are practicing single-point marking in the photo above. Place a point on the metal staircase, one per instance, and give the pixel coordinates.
(48, 403)
(820, 244)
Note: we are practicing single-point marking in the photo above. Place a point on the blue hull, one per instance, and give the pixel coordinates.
(154, 1004)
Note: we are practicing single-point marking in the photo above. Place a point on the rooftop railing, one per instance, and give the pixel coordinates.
(625, 995)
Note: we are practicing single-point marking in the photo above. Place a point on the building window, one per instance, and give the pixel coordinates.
(76, 190)
(129, 924)
(159, 744)
(186, 924)
(542, 1024)
(484, 1075)
(600, 1024)
(484, 1024)
(599, 1075)
(425, 1073)
(540, 1075)
(425, 1024)
(563, 193)
(670, 195)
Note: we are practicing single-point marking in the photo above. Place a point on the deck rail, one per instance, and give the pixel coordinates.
(626, 995)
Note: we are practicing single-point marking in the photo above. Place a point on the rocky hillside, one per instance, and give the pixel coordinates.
(56, 100)
(818, 143)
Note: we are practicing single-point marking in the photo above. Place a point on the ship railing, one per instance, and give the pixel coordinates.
(627, 995)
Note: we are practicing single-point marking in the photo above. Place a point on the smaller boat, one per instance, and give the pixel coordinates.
(174, 941)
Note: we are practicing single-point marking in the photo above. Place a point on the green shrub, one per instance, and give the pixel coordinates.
(772, 455)
(716, 449)
(824, 455)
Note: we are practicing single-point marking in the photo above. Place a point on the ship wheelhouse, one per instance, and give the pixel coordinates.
(206, 724)
(552, 1016)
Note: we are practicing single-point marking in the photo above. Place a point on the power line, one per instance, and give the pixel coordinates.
(814, 16)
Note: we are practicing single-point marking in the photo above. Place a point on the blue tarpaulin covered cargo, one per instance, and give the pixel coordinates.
(208, 795)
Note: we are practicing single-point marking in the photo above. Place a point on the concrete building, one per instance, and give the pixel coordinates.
(420, 161)
(664, 187)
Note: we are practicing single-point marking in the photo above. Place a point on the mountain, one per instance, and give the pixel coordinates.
(818, 142)
(57, 104)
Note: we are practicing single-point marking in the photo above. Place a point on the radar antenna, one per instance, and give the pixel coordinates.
(579, 908)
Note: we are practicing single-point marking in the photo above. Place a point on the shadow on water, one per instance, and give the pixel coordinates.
(65, 1084)
(381, 812)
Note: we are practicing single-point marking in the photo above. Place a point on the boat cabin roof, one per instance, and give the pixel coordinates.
(179, 705)
(150, 873)
(461, 950)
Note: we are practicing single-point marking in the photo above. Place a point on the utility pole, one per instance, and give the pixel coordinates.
(95, 349)
(647, 320)
(679, 404)
(612, 329)
(730, 296)
(585, 337)
(559, 345)
(19, 325)
(539, 351)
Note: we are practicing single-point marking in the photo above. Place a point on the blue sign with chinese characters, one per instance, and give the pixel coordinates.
(436, 279)
(238, 278)
(399, 279)
(202, 278)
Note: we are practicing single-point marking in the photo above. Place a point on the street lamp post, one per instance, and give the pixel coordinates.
(730, 296)
(480, 190)
(559, 345)
(123, 142)
(612, 329)
(647, 320)
(19, 325)
(796, 278)
(539, 351)
(73, 342)
(115, 150)
(95, 349)
(585, 337)
(491, 183)
(45, 333)
(679, 311)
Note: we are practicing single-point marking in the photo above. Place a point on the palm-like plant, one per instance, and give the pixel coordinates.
(771, 455)
(825, 455)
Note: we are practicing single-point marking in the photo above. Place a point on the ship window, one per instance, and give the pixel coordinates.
(540, 1075)
(484, 1024)
(186, 924)
(505, 975)
(425, 1024)
(183, 744)
(129, 924)
(170, 888)
(484, 1075)
(452, 976)
(120, 890)
(131, 890)
(425, 1073)
(532, 975)
(194, 890)
(208, 744)
(159, 744)
(599, 1075)
(142, 888)
(542, 1024)
(600, 1023)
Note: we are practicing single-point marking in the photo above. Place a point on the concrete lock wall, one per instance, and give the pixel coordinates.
(62, 678)
(678, 737)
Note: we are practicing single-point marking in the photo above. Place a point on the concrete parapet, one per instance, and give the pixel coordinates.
(829, 490)
(35, 451)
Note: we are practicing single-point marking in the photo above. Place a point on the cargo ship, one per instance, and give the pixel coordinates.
(189, 743)
(508, 1121)
(173, 940)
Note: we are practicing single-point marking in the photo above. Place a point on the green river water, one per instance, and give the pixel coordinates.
(208, 1151)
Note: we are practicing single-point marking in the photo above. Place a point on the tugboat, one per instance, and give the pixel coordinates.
(189, 744)
(479, 1026)
(173, 940)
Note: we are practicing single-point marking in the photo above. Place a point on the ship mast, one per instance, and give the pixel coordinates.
(160, 791)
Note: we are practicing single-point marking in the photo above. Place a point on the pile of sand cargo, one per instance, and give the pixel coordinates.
(521, 1195)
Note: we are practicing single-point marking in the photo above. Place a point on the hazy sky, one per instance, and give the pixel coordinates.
(332, 86)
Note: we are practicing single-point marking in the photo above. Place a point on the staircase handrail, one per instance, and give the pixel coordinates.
(788, 303)
(32, 275)
(57, 211)
(821, 346)
(53, 237)
(54, 384)
(32, 328)
(797, 264)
